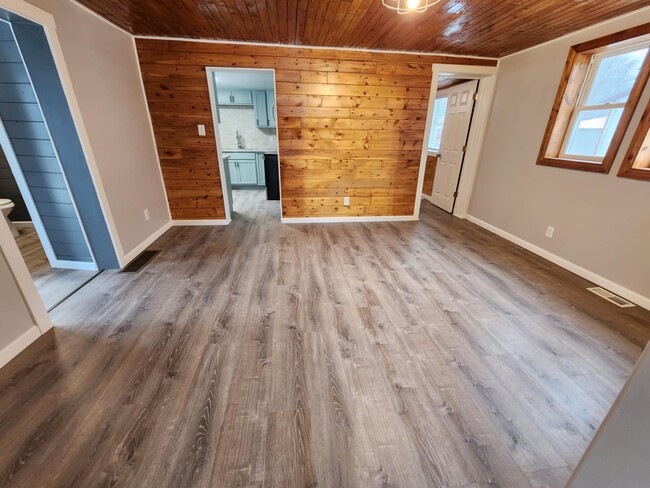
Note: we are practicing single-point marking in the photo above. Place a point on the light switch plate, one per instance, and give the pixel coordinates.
(201, 130)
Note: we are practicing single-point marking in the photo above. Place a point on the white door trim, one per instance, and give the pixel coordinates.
(9, 250)
(217, 136)
(487, 76)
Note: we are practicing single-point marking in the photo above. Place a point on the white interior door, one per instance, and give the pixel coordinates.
(452, 144)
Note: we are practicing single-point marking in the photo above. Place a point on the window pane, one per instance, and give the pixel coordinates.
(592, 132)
(439, 111)
(615, 77)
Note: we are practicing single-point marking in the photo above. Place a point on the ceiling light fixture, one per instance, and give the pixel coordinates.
(408, 6)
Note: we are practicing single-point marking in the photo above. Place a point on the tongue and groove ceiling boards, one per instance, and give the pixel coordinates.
(490, 28)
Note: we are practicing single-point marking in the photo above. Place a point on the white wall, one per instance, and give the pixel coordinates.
(105, 76)
(601, 221)
(242, 119)
(15, 320)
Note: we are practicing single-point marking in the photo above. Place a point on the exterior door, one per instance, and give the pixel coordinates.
(452, 145)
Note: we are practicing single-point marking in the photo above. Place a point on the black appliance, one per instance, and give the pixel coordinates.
(272, 176)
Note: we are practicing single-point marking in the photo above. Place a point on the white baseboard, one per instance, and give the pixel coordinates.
(135, 252)
(18, 345)
(427, 197)
(344, 220)
(630, 295)
(186, 223)
(79, 265)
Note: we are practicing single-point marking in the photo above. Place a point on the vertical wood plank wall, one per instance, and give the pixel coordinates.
(429, 175)
(350, 123)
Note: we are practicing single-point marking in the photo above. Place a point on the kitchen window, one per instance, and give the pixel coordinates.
(599, 92)
(438, 123)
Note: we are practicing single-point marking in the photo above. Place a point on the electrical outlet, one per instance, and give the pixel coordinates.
(346, 201)
(550, 230)
(146, 214)
(201, 128)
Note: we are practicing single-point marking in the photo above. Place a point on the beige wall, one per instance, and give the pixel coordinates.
(601, 221)
(105, 76)
(618, 455)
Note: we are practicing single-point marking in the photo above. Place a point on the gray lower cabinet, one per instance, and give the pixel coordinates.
(246, 169)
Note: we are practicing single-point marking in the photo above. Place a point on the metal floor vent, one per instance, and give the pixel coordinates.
(610, 297)
(140, 262)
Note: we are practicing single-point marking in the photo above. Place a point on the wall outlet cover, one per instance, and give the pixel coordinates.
(346, 201)
(146, 214)
(550, 230)
(201, 128)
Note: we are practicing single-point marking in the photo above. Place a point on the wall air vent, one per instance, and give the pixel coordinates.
(610, 297)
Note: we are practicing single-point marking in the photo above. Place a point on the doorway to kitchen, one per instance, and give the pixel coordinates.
(244, 113)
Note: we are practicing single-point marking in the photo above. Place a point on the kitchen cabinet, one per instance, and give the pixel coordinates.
(261, 109)
(261, 180)
(246, 168)
(270, 108)
(234, 97)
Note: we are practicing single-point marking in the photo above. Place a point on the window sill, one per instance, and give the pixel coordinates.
(592, 167)
(635, 173)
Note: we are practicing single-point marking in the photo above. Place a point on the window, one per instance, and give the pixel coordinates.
(636, 163)
(437, 124)
(600, 89)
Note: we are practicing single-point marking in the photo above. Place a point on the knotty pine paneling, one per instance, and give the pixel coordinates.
(350, 123)
(429, 175)
(470, 27)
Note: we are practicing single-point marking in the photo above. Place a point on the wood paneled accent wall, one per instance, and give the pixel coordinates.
(429, 175)
(350, 123)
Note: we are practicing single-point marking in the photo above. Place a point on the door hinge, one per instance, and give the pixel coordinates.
(455, 194)
(465, 148)
(475, 96)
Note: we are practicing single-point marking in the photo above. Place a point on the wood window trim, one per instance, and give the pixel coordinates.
(641, 138)
(571, 83)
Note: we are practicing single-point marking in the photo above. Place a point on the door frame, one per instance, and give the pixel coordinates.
(487, 76)
(210, 70)
(25, 192)
(46, 21)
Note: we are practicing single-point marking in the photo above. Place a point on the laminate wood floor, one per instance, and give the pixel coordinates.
(53, 284)
(411, 354)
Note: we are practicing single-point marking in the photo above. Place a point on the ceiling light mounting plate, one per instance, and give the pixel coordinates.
(409, 6)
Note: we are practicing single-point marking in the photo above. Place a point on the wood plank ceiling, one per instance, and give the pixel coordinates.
(491, 28)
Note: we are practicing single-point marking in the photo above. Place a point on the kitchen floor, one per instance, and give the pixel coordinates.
(244, 200)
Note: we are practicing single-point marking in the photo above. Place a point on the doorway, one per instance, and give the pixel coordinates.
(47, 196)
(457, 117)
(245, 128)
(447, 142)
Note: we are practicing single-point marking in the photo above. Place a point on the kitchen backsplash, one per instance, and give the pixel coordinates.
(242, 119)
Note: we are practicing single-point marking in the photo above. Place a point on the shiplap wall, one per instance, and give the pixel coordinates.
(9, 189)
(350, 123)
(28, 135)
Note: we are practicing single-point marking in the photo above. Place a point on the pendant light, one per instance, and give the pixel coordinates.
(408, 6)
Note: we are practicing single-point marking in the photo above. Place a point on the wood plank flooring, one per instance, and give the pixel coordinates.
(409, 354)
(53, 284)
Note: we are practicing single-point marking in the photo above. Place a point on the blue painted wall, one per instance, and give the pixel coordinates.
(36, 53)
(25, 124)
